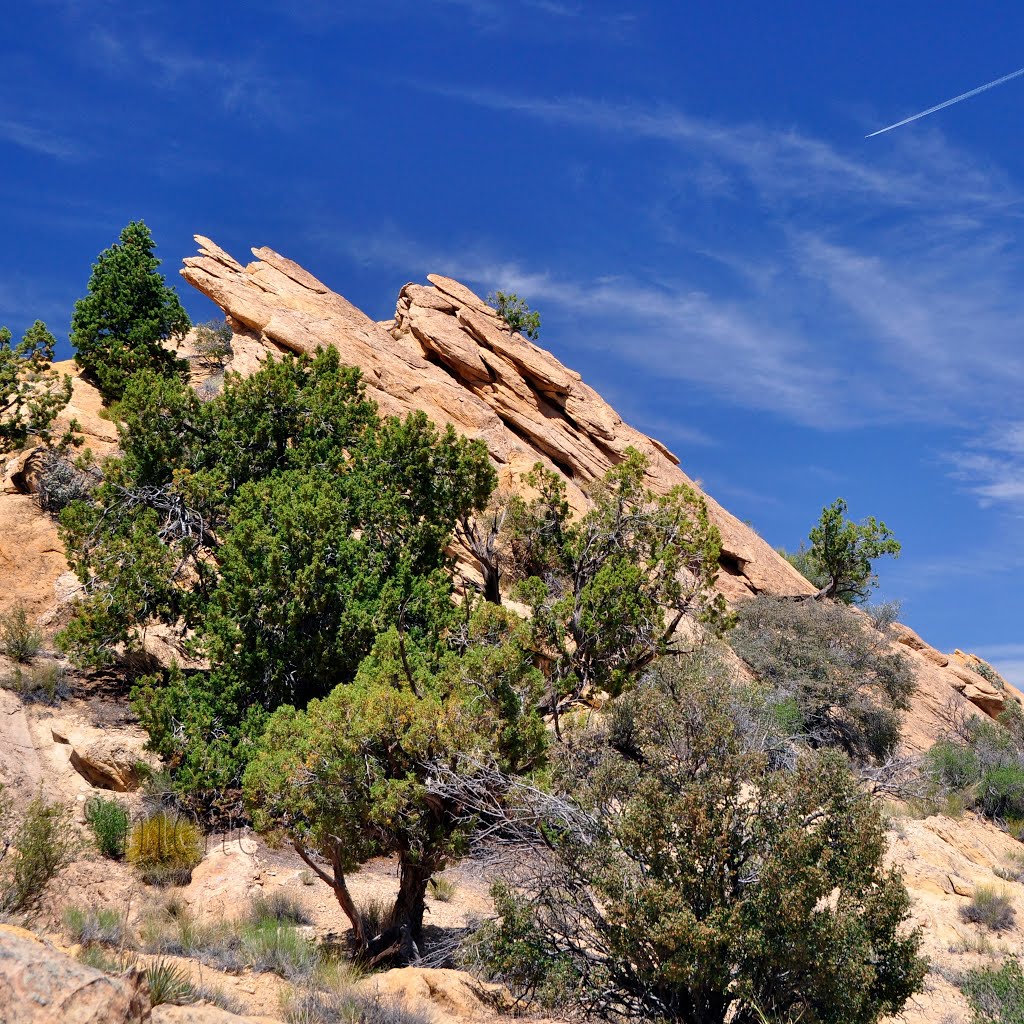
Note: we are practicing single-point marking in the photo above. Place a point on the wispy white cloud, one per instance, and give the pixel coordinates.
(41, 140)
(238, 84)
(992, 466)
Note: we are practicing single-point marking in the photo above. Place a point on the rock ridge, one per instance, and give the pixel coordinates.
(447, 353)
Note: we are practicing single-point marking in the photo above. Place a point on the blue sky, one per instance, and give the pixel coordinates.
(684, 191)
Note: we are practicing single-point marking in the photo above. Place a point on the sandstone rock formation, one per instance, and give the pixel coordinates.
(39, 985)
(447, 353)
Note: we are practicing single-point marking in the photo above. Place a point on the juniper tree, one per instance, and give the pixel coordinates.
(31, 395)
(123, 324)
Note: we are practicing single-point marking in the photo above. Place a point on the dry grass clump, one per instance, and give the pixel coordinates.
(165, 848)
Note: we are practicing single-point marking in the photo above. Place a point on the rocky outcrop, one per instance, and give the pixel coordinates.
(448, 354)
(39, 985)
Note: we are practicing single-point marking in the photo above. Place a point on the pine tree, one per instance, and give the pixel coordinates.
(120, 327)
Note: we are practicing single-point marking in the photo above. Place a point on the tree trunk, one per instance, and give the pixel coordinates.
(339, 886)
(413, 877)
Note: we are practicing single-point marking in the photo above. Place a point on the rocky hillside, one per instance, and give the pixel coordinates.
(447, 353)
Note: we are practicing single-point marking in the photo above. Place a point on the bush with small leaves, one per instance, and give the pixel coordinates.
(109, 822)
(165, 848)
(212, 342)
(1001, 791)
(952, 765)
(43, 843)
(21, 639)
(996, 994)
(516, 313)
(989, 908)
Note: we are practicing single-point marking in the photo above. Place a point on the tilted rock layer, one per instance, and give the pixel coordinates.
(448, 354)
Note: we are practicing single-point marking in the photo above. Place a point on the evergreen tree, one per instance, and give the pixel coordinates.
(31, 395)
(121, 326)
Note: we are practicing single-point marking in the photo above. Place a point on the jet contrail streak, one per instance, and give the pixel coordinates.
(948, 103)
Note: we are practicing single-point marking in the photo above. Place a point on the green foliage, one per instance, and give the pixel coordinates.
(168, 983)
(165, 848)
(279, 907)
(607, 591)
(989, 908)
(801, 561)
(43, 684)
(952, 765)
(120, 327)
(109, 822)
(996, 994)
(213, 343)
(821, 660)
(842, 551)
(103, 926)
(346, 778)
(681, 878)
(31, 395)
(284, 522)
(516, 313)
(22, 641)
(41, 844)
(1001, 791)
(443, 889)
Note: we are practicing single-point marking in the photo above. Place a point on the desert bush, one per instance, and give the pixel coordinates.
(989, 908)
(21, 639)
(61, 482)
(105, 959)
(996, 994)
(165, 848)
(516, 313)
(1001, 791)
(443, 889)
(952, 765)
(43, 843)
(109, 822)
(835, 668)
(317, 1006)
(168, 983)
(213, 343)
(677, 879)
(104, 926)
(279, 949)
(39, 684)
(279, 907)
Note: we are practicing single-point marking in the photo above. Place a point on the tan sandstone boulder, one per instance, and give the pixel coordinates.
(39, 985)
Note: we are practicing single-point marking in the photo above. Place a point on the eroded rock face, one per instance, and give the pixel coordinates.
(448, 354)
(39, 985)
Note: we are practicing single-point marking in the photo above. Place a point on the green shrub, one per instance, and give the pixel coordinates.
(165, 848)
(168, 983)
(107, 960)
(316, 1006)
(989, 908)
(109, 822)
(43, 843)
(996, 994)
(1001, 791)
(279, 907)
(827, 671)
(213, 343)
(516, 313)
(39, 684)
(952, 765)
(22, 641)
(105, 927)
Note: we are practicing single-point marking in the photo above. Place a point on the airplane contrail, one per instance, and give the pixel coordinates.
(948, 103)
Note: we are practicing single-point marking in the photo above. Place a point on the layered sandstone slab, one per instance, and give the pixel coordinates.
(448, 354)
